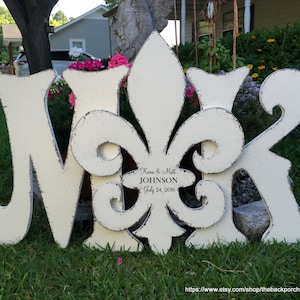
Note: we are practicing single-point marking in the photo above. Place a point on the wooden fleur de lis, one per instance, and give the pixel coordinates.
(156, 101)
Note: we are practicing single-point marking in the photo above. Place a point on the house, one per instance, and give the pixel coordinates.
(90, 31)
(252, 14)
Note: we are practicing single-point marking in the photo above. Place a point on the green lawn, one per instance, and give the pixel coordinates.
(37, 269)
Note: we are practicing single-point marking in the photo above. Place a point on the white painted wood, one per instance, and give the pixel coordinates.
(99, 90)
(157, 104)
(32, 142)
(32, 137)
(158, 176)
(98, 131)
(269, 171)
(217, 91)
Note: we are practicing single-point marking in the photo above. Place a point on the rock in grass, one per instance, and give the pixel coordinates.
(252, 219)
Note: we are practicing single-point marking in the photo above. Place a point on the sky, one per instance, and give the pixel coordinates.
(77, 8)
(73, 8)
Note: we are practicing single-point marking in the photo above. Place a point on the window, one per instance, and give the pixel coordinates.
(228, 22)
(79, 43)
(205, 29)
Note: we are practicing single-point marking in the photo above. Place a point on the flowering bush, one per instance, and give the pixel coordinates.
(118, 60)
(88, 65)
(61, 98)
(264, 51)
(249, 111)
(61, 112)
(191, 103)
(267, 50)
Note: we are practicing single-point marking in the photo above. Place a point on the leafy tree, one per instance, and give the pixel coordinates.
(5, 18)
(60, 17)
(32, 18)
(112, 3)
(55, 23)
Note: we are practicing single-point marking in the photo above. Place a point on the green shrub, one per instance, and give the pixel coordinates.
(248, 110)
(266, 51)
(60, 112)
(206, 53)
(6, 167)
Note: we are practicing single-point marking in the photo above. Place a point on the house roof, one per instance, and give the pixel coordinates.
(101, 8)
(12, 34)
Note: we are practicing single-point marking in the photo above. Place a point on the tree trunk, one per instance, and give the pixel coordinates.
(135, 20)
(37, 47)
(32, 18)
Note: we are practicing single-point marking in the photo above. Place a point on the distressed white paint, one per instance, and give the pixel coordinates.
(156, 99)
(268, 171)
(99, 90)
(157, 112)
(32, 142)
(32, 137)
(217, 91)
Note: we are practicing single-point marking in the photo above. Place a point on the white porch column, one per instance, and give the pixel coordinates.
(247, 16)
(183, 22)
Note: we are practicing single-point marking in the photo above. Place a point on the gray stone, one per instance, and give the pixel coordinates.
(244, 190)
(252, 219)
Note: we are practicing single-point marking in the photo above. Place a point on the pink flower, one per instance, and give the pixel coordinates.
(49, 94)
(76, 65)
(71, 99)
(120, 260)
(118, 60)
(97, 64)
(88, 65)
(189, 92)
(124, 82)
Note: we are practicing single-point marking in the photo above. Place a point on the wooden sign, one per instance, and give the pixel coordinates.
(156, 96)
